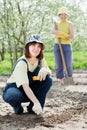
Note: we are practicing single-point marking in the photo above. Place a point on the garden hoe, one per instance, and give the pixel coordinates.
(67, 80)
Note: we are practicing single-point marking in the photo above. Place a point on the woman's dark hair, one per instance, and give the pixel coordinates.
(27, 53)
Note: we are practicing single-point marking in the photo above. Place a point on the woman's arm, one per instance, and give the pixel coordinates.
(30, 93)
(44, 64)
(37, 106)
(71, 31)
(21, 78)
(54, 29)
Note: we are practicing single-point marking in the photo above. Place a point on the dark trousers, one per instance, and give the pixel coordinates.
(67, 51)
(15, 96)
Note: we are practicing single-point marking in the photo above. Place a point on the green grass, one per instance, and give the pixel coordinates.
(49, 56)
(5, 67)
(79, 62)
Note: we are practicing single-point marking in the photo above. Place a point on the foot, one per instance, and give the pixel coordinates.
(61, 82)
(30, 110)
(18, 109)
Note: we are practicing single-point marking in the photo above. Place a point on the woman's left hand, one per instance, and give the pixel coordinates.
(42, 74)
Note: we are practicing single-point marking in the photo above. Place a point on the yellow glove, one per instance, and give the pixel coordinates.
(62, 35)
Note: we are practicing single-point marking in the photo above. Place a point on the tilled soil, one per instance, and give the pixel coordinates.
(65, 108)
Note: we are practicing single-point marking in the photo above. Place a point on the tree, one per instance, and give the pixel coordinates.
(21, 18)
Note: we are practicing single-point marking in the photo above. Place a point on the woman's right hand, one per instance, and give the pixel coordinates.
(37, 108)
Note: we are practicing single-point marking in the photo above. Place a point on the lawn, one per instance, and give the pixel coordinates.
(79, 62)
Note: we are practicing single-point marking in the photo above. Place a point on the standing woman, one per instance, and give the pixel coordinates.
(21, 87)
(64, 31)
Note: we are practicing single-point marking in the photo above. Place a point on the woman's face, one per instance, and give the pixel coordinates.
(35, 49)
(63, 16)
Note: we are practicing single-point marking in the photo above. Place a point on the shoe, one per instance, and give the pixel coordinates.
(29, 110)
(18, 110)
(61, 82)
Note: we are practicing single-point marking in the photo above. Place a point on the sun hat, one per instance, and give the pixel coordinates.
(63, 10)
(34, 38)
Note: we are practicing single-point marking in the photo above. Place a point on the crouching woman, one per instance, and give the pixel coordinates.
(30, 80)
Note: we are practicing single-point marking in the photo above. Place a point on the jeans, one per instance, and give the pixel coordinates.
(59, 68)
(15, 96)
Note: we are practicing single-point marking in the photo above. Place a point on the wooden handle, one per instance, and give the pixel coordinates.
(62, 56)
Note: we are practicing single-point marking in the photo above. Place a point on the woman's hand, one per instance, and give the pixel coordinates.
(37, 108)
(42, 74)
(63, 35)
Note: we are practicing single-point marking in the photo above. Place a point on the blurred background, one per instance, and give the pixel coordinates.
(21, 18)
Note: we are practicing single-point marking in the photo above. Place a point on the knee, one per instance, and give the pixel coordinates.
(9, 95)
(49, 80)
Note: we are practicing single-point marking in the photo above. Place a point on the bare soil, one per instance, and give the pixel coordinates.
(65, 108)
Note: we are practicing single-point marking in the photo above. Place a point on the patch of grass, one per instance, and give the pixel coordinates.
(5, 67)
(49, 56)
(79, 62)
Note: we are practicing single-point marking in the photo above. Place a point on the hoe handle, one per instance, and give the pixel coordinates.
(62, 56)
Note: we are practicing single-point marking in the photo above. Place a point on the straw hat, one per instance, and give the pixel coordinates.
(63, 10)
